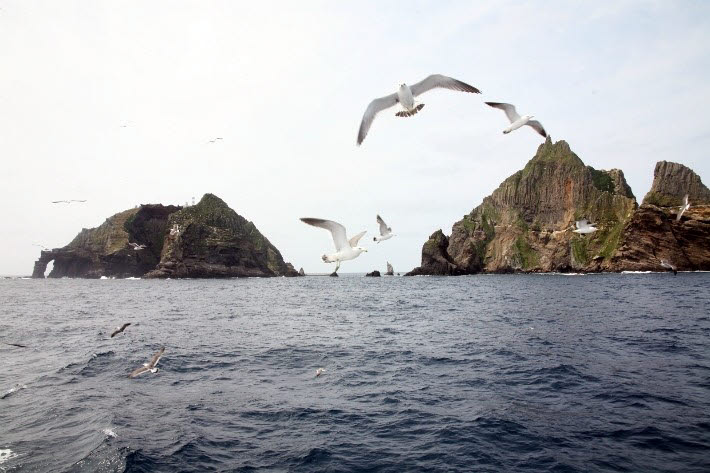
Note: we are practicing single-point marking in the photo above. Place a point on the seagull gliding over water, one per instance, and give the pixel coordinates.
(405, 97)
(345, 249)
(150, 366)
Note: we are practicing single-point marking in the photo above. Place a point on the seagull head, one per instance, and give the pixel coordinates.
(361, 249)
(402, 86)
(529, 117)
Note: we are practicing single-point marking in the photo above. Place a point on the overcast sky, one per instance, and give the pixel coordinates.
(115, 102)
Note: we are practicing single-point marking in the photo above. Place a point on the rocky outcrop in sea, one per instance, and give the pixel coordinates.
(206, 240)
(526, 224)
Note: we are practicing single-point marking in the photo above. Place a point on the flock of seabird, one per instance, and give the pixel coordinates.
(406, 96)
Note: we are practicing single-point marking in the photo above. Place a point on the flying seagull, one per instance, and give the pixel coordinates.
(345, 249)
(175, 230)
(215, 140)
(136, 246)
(683, 208)
(150, 366)
(68, 201)
(405, 97)
(516, 121)
(41, 246)
(120, 329)
(319, 371)
(669, 267)
(385, 231)
(584, 227)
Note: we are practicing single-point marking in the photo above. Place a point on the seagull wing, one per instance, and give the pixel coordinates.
(509, 110)
(580, 224)
(335, 229)
(353, 241)
(138, 371)
(384, 230)
(437, 80)
(375, 107)
(156, 358)
(685, 201)
(537, 126)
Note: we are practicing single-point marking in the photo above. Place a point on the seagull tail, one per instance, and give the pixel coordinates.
(409, 113)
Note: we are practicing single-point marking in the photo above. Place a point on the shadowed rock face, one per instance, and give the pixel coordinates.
(526, 224)
(105, 250)
(214, 241)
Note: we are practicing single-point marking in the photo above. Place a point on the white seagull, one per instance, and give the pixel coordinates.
(345, 249)
(319, 371)
(385, 231)
(584, 227)
(150, 366)
(683, 208)
(175, 230)
(516, 121)
(68, 201)
(669, 267)
(136, 246)
(405, 97)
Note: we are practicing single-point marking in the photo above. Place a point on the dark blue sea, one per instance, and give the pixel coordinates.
(484, 373)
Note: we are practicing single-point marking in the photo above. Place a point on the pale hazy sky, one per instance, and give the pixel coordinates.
(286, 83)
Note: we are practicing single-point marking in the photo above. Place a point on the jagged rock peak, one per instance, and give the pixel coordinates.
(671, 182)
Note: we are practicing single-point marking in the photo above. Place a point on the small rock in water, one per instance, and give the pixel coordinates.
(375, 274)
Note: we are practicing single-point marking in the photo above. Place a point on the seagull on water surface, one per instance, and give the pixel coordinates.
(405, 97)
(683, 208)
(345, 249)
(516, 121)
(120, 329)
(319, 371)
(150, 366)
(584, 227)
(385, 231)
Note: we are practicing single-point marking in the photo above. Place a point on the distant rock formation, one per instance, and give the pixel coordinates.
(390, 270)
(375, 274)
(525, 224)
(301, 272)
(105, 250)
(212, 241)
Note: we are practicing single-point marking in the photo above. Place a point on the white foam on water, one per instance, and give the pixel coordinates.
(109, 433)
(638, 272)
(6, 454)
(132, 278)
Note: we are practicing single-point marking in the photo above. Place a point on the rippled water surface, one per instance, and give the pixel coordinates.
(481, 373)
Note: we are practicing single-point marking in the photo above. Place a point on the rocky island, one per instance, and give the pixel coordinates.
(526, 224)
(206, 240)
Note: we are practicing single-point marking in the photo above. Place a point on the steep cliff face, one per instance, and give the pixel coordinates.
(105, 250)
(671, 182)
(211, 240)
(524, 225)
(654, 232)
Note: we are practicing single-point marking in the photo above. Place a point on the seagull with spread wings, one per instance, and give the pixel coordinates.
(120, 329)
(136, 246)
(683, 208)
(385, 231)
(68, 201)
(584, 227)
(150, 366)
(405, 97)
(669, 267)
(345, 249)
(516, 121)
